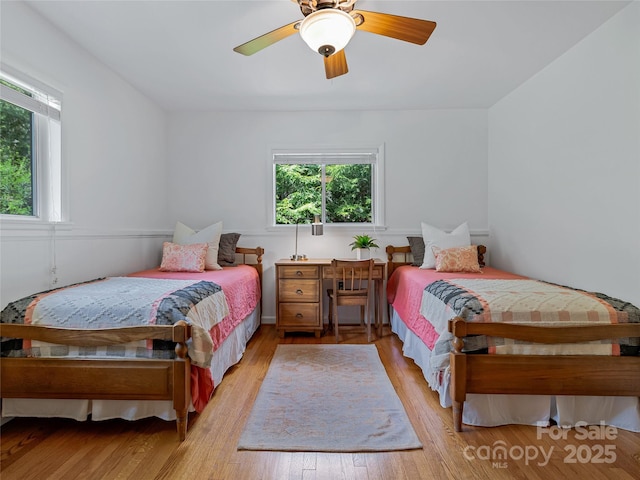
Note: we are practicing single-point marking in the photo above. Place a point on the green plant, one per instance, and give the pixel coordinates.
(363, 241)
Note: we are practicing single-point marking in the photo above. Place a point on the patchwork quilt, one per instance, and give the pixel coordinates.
(121, 302)
(523, 302)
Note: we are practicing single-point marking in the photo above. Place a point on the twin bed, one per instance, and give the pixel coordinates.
(503, 349)
(169, 338)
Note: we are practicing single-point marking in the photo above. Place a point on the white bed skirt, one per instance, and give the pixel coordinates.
(495, 410)
(227, 355)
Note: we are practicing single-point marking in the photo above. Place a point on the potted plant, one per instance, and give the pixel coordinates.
(362, 244)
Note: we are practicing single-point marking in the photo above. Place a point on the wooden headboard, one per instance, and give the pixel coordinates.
(257, 252)
(398, 256)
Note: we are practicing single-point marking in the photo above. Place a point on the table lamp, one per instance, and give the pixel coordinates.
(316, 229)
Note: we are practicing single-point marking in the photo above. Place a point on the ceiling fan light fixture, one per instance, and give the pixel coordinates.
(327, 31)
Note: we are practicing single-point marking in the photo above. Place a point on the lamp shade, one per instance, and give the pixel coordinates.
(327, 31)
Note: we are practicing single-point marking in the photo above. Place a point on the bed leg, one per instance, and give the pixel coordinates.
(182, 383)
(457, 415)
(181, 423)
(458, 392)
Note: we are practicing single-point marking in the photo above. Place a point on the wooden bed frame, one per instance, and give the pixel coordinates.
(117, 379)
(535, 374)
(540, 374)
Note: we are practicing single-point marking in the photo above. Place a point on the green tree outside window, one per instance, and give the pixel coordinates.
(16, 166)
(347, 193)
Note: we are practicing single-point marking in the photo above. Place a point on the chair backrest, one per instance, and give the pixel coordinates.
(355, 277)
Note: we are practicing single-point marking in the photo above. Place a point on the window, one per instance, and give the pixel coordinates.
(30, 153)
(342, 186)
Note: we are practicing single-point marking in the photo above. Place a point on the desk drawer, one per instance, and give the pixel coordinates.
(299, 315)
(298, 271)
(299, 290)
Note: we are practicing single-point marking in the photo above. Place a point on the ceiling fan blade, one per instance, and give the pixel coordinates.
(336, 64)
(263, 41)
(407, 29)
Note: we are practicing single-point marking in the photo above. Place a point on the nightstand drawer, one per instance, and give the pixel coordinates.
(299, 315)
(299, 297)
(299, 291)
(299, 271)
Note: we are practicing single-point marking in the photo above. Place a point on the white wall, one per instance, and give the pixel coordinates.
(564, 166)
(219, 169)
(123, 197)
(114, 160)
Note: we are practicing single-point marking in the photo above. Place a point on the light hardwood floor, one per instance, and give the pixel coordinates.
(149, 449)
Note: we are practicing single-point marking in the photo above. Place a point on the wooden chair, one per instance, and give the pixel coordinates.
(352, 285)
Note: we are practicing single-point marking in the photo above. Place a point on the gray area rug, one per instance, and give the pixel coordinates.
(327, 398)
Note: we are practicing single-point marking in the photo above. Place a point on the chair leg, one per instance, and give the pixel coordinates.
(335, 322)
(367, 310)
(362, 316)
(378, 315)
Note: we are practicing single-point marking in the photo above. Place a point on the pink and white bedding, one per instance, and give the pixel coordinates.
(216, 304)
(405, 290)
(424, 300)
(241, 288)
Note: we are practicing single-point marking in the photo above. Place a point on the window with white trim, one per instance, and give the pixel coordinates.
(30, 148)
(342, 186)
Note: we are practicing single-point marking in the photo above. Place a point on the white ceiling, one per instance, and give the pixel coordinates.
(179, 53)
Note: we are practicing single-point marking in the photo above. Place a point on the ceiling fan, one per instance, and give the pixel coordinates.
(328, 25)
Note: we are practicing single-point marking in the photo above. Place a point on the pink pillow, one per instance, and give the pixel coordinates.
(183, 258)
(457, 259)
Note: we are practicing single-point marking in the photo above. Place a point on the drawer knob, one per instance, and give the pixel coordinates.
(299, 273)
(299, 315)
(299, 292)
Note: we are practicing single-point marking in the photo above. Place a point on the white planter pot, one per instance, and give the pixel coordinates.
(363, 254)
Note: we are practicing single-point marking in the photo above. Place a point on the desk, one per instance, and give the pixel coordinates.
(300, 294)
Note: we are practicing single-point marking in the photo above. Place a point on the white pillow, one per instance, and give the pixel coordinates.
(184, 235)
(434, 237)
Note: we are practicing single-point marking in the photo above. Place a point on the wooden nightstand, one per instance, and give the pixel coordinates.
(299, 294)
(298, 297)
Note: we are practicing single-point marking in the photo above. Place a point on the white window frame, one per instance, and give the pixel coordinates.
(49, 202)
(326, 156)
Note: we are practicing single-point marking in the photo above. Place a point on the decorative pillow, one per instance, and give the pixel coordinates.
(417, 250)
(434, 237)
(184, 235)
(227, 250)
(457, 259)
(183, 258)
